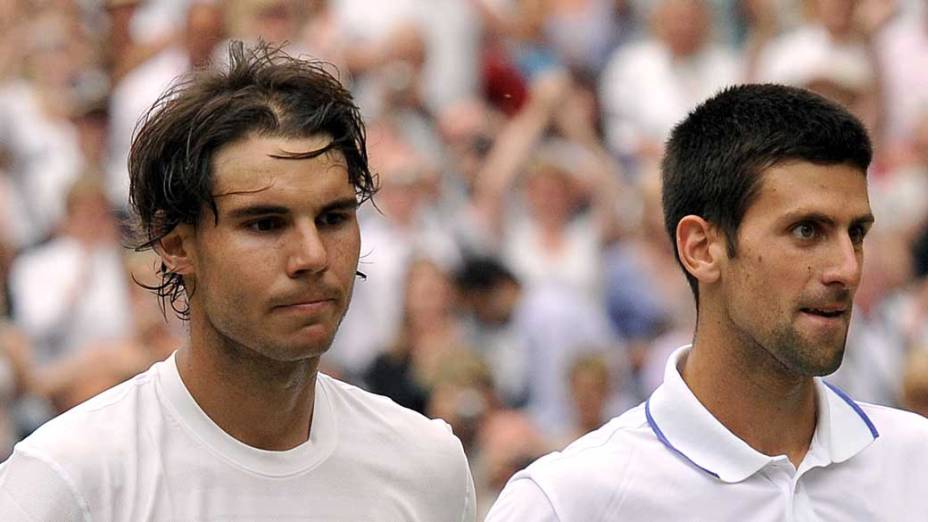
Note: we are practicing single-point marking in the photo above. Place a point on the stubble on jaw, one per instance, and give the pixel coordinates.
(784, 350)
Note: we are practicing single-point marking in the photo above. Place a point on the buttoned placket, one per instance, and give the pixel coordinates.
(781, 472)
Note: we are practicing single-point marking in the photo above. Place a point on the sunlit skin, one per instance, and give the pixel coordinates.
(271, 279)
(777, 313)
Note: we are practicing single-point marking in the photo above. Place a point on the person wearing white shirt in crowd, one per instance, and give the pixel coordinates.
(649, 85)
(246, 181)
(765, 198)
(72, 291)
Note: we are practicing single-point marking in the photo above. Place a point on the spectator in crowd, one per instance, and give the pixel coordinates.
(570, 190)
(648, 86)
(507, 442)
(38, 136)
(584, 33)
(530, 335)
(449, 30)
(104, 363)
(73, 291)
(902, 51)
(834, 55)
(430, 332)
(591, 383)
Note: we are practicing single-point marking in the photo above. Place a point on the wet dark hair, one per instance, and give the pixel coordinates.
(715, 158)
(262, 91)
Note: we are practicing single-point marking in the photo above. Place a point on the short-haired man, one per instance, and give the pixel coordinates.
(765, 198)
(246, 182)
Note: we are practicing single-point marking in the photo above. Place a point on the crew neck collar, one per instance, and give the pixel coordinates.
(322, 440)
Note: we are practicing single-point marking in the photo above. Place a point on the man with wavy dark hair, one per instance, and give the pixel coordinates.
(765, 201)
(246, 182)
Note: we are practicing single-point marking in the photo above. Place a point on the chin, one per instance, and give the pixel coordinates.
(820, 367)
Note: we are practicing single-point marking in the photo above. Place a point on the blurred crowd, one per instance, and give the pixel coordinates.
(520, 283)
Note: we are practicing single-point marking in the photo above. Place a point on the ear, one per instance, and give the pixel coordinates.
(176, 250)
(701, 247)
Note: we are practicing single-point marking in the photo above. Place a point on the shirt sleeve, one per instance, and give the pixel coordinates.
(33, 489)
(470, 498)
(522, 499)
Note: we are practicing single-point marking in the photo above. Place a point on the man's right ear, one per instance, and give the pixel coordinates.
(701, 247)
(176, 250)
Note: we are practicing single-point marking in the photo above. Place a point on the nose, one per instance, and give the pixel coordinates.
(844, 263)
(307, 251)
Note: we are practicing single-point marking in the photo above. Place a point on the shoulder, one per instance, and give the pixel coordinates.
(380, 415)
(589, 476)
(898, 427)
(58, 468)
(407, 449)
(94, 430)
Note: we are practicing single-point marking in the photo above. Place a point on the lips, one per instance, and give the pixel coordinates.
(829, 312)
(306, 303)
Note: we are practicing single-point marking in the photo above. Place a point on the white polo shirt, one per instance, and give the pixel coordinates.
(670, 459)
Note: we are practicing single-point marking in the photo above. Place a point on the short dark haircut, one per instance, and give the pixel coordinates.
(262, 91)
(715, 158)
(482, 274)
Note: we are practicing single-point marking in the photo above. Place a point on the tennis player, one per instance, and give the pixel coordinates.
(765, 200)
(246, 181)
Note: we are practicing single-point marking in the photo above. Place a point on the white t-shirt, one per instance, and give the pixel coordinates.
(144, 450)
(670, 459)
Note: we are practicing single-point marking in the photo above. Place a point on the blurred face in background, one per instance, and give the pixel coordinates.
(550, 195)
(589, 386)
(89, 217)
(683, 25)
(429, 294)
(205, 30)
(275, 20)
(836, 15)
(50, 55)
(468, 131)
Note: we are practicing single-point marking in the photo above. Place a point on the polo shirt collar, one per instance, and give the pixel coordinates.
(688, 430)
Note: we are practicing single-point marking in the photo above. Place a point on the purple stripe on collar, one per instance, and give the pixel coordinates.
(844, 396)
(660, 436)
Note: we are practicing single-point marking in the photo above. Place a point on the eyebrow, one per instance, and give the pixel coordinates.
(865, 219)
(347, 203)
(257, 210)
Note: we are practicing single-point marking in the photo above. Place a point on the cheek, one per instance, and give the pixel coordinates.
(237, 274)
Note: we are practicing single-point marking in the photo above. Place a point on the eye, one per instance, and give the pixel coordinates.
(333, 219)
(857, 233)
(266, 224)
(805, 231)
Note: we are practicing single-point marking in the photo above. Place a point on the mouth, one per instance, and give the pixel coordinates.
(828, 312)
(313, 305)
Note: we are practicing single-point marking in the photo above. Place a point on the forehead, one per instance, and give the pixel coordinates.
(248, 169)
(837, 191)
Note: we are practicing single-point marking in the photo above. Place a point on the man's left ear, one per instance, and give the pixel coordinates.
(176, 250)
(702, 248)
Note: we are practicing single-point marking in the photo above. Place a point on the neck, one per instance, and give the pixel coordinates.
(751, 393)
(264, 403)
